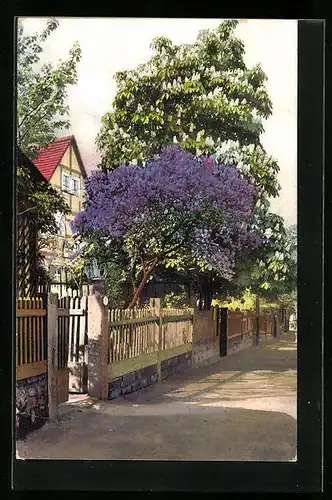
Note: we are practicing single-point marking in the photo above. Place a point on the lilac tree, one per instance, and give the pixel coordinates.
(178, 209)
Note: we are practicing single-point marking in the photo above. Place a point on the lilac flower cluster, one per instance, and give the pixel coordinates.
(176, 184)
(175, 179)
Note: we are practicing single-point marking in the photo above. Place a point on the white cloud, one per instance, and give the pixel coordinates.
(110, 45)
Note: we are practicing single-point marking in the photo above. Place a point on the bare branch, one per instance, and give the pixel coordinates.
(30, 113)
(27, 210)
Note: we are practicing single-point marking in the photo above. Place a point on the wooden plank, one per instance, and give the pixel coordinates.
(29, 332)
(82, 344)
(20, 333)
(130, 365)
(37, 332)
(17, 343)
(34, 347)
(183, 317)
(77, 312)
(120, 322)
(30, 370)
(63, 385)
(25, 334)
(175, 351)
(26, 313)
(234, 335)
(63, 312)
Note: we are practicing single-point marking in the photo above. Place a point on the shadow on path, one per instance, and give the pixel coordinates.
(241, 408)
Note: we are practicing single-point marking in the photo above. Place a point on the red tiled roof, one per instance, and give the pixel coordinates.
(49, 158)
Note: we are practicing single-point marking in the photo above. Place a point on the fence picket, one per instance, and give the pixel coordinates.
(33, 327)
(133, 332)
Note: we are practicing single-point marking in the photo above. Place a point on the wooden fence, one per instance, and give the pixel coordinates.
(266, 324)
(143, 337)
(132, 333)
(240, 324)
(31, 339)
(135, 332)
(62, 289)
(177, 327)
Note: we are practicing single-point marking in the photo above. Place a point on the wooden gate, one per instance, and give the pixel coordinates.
(78, 341)
(31, 337)
(222, 329)
(63, 347)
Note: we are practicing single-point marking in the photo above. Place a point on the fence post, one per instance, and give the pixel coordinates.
(97, 342)
(158, 311)
(52, 353)
(257, 328)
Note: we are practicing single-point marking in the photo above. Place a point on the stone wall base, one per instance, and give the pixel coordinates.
(205, 352)
(176, 364)
(31, 404)
(236, 345)
(132, 382)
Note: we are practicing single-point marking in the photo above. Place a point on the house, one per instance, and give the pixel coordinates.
(26, 231)
(61, 164)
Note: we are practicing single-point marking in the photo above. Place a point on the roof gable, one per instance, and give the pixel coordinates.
(49, 158)
(24, 161)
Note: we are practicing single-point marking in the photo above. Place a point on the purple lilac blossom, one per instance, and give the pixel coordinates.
(127, 198)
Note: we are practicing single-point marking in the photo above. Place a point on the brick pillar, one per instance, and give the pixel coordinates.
(97, 341)
(52, 353)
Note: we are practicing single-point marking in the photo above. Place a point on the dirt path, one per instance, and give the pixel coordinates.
(241, 408)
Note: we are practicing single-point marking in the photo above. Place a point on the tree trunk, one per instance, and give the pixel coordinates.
(142, 284)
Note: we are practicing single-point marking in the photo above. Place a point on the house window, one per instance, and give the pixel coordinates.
(70, 184)
(66, 182)
(76, 186)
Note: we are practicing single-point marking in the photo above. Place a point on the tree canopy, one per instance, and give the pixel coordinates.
(197, 95)
(204, 98)
(178, 208)
(42, 111)
(42, 90)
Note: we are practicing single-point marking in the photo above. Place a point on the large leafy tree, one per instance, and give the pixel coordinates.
(42, 108)
(42, 111)
(203, 97)
(178, 209)
(197, 95)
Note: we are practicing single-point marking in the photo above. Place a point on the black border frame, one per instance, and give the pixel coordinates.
(305, 475)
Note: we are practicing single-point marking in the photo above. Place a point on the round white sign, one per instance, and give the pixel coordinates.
(105, 301)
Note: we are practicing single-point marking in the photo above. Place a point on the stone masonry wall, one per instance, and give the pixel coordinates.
(237, 344)
(132, 382)
(31, 404)
(205, 352)
(176, 364)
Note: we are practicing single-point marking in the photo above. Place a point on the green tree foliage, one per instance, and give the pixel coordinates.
(41, 112)
(40, 198)
(203, 97)
(197, 95)
(272, 273)
(42, 90)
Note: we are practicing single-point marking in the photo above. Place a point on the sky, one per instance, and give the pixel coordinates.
(114, 44)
